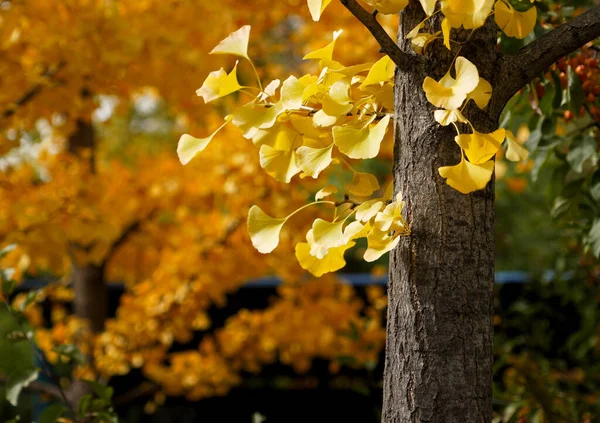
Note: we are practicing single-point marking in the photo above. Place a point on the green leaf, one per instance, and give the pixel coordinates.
(594, 238)
(52, 413)
(17, 381)
(581, 150)
(102, 391)
(575, 92)
(7, 250)
(558, 91)
(84, 404)
(561, 206)
(8, 285)
(547, 101)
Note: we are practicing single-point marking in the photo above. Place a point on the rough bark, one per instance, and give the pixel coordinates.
(439, 336)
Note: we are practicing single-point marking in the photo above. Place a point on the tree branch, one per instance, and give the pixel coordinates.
(517, 70)
(32, 92)
(388, 45)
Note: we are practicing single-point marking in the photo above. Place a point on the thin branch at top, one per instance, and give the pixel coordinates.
(388, 45)
(517, 70)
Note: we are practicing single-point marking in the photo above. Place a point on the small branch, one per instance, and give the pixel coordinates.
(32, 92)
(517, 70)
(388, 45)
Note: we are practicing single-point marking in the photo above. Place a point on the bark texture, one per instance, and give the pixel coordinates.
(439, 336)
(91, 296)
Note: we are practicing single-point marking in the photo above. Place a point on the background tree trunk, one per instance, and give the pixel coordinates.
(439, 335)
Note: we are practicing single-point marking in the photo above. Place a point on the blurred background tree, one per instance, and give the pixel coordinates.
(94, 96)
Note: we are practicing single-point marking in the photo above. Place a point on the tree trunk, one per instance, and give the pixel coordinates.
(91, 296)
(439, 335)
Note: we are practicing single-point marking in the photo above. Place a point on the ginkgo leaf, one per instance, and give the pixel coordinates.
(316, 8)
(479, 147)
(219, 84)
(512, 22)
(360, 142)
(470, 14)
(446, 33)
(481, 94)
(252, 117)
(330, 262)
(325, 53)
(189, 146)
(421, 40)
(323, 120)
(291, 93)
(337, 101)
(449, 93)
(270, 90)
(362, 184)
(313, 161)
(326, 235)
(280, 163)
(446, 117)
(388, 7)
(382, 71)
(379, 243)
(515, 152)
(390, 219)
(264, 230)
(467, 177)
(367, 210)
(326, 191)
(428, 6)
(236, 43)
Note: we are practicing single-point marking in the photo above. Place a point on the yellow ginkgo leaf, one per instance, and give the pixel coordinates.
(313, 161)
(421, 40)
(280, 160)
(379, 243)
(323, 120)
(367, 210)
(481, 94)
(362, 184)
(446, 33)
(446, 117)
(467, 177)
(428, 6)
(316, 8)
(270, 90)
(479, 147)
(390, 219)
(330, 262)
(325, 235)
(337, 101)
(471, 14)
(388, 7)
(360, 142)
(449, 93)
(236, 43)
(382, 71)
(189, 146)
(219, 84)
(264, 230)
(291, 93)
(326, 191)
(512, 22)
(325, 53)
(515, 152)
(252, 117)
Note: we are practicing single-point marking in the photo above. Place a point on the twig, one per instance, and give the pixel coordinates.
(517, 70)
(32, 92)
(403, 60)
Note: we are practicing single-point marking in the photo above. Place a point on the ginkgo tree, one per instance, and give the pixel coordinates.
(439, 337)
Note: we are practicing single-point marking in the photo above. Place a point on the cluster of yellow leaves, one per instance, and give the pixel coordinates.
(304, 126)
(318, 319)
